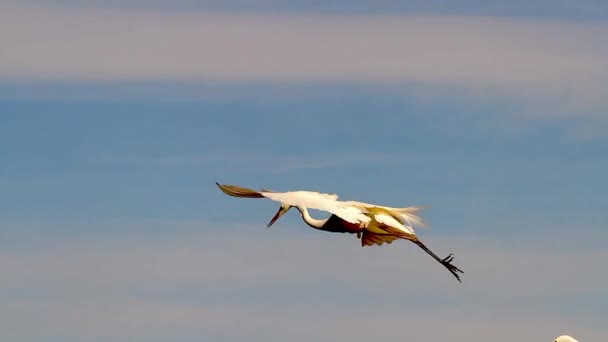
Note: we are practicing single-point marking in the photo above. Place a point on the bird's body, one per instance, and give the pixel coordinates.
(335, 224)
(565, 338)
(373, 224)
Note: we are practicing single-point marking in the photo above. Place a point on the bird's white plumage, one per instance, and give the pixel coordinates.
(350, 211)
(374, 217)
(405, 214)
(392, 222)
(319, 201)
(565, 338)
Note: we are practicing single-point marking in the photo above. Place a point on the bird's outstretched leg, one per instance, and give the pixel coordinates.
(446, 262)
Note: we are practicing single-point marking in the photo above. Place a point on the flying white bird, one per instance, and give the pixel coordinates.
(565, 338)
(373, 224)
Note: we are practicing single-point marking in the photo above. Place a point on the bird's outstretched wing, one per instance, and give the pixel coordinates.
(238, 191)
(309, 199)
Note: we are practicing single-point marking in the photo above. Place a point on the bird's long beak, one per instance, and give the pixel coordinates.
(276, 216)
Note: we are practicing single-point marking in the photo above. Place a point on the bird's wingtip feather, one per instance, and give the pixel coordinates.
(238, 191)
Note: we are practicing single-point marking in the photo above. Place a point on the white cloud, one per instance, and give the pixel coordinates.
(143, 287)
(535, 59)
(146, 320)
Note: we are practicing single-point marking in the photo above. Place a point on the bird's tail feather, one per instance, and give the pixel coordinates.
(410, 215)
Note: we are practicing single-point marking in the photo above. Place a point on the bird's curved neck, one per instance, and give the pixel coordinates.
(314, 223)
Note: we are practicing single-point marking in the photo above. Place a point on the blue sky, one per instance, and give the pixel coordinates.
(116, 119)
(584, 9)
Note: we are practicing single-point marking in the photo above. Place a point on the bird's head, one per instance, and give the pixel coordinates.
(565, 338)
(282, 210)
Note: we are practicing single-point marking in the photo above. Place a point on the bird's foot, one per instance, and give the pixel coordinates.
(448, 259)
(447, 262)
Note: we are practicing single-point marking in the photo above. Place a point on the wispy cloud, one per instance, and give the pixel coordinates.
(253, 256)
(529, 58)
(132, 319)
(263, 162)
